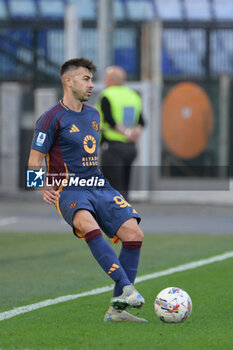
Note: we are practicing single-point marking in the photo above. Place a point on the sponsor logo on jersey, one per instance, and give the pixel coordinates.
(90, 161)
(89, 144)
(74, 128)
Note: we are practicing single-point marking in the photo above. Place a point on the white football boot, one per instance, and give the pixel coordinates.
(113, 315)
(129, 298)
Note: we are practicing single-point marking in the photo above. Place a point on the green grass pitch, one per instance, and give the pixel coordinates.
(35, 267)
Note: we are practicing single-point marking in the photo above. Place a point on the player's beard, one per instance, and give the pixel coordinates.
(82, 97)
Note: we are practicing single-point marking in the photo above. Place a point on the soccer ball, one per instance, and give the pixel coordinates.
(173, 305)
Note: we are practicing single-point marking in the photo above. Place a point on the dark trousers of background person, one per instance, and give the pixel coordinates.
(116, 161)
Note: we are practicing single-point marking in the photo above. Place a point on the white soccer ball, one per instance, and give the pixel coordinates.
(173, 305)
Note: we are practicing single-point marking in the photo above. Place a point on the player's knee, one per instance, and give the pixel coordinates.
(84, 222)
(139, 234)
(130, 231)
(134, 234)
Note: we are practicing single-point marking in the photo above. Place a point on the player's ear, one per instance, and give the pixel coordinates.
(67, 81)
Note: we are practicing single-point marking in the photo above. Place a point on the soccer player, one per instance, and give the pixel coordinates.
(67, 136)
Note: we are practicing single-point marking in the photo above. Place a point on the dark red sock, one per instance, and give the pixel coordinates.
(92, 234)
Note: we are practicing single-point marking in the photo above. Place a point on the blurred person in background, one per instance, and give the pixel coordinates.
(121, 125)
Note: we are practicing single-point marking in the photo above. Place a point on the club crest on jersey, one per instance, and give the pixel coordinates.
(73, 205)
(95, 125)
(89, 144)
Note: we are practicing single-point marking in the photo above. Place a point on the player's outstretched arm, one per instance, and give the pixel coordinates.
(50, 196)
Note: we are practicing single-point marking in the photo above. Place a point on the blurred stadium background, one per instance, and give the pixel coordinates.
(185, 151)
(179, 56)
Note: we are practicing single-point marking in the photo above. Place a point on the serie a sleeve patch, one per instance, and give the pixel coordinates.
(40, 139)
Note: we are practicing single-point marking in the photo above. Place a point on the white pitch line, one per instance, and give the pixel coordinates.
(189, 266)
(8, 221)
(185, 267)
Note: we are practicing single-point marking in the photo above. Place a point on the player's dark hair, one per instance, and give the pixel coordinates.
(76, 63)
